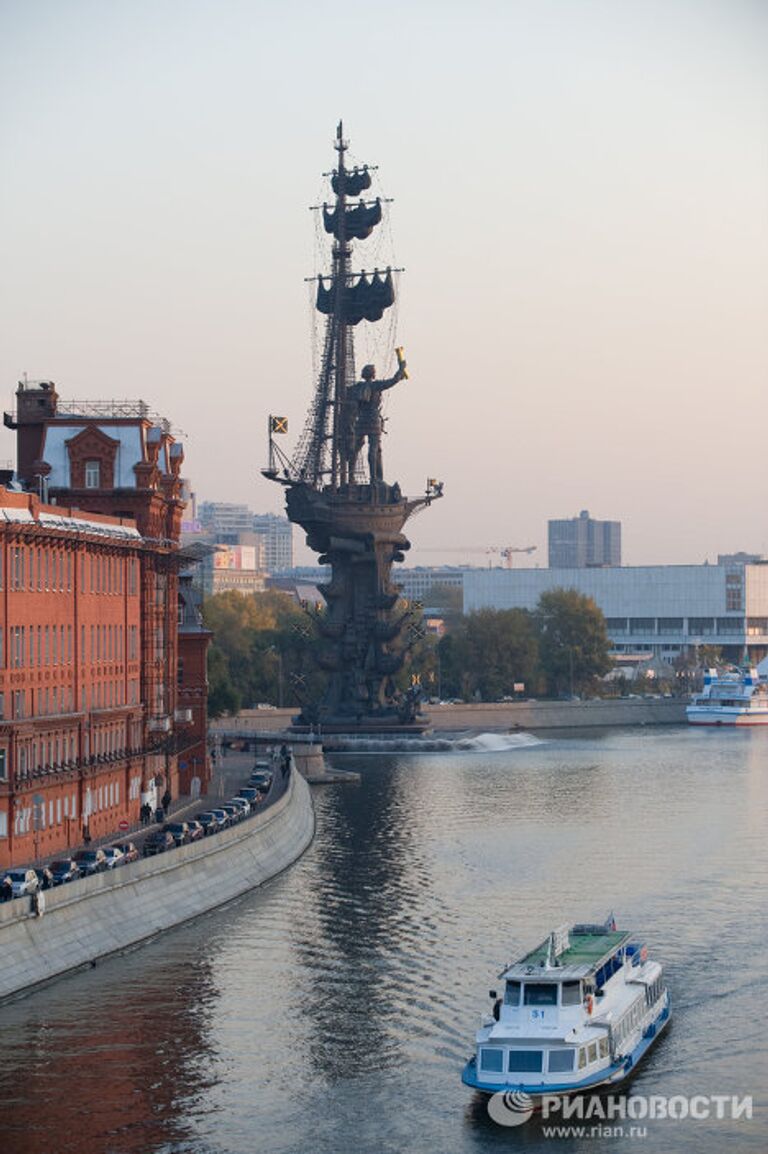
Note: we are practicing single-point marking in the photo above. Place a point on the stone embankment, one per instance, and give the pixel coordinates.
(93, 917)
(487, 717)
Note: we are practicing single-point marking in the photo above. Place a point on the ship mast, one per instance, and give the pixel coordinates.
(342, 254)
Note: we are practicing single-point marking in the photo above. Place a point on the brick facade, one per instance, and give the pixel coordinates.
(95, 699)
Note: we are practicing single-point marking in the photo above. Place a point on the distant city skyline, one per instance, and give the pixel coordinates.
(580, 203)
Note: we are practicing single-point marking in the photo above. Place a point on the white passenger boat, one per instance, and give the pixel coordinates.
(739, 698)
(578, 1012)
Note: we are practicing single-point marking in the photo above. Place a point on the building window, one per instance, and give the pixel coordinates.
(92, 474)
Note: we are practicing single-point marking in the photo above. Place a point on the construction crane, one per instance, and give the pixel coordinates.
(505, 551)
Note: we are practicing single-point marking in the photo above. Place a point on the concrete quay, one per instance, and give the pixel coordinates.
(93, 917)
(271, 724)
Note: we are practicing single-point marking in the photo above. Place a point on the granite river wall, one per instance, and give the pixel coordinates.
(93, 917)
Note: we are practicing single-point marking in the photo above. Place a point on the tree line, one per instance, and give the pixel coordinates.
(261, 652)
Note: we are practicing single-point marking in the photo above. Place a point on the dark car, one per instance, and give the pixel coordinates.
(179, 831)
(209, 821)
(64, 870)
(252, 795)
(158, 842)
(222, 816)
(91, 861)
(129, 851)
(195, 830)
(44, 877)
(261, 780)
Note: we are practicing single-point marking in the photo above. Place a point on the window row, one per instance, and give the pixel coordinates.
(48, 569)
(41, 645)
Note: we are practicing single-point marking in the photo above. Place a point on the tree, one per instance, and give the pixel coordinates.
(488, 653)
(573, 642)
(260, 652)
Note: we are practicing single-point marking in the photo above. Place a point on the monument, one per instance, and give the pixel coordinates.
(335, 487)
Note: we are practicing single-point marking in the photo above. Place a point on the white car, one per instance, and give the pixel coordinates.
(23, 882)
(114, 856)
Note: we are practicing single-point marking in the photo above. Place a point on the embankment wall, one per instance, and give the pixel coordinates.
(502, 716)
(100, 915)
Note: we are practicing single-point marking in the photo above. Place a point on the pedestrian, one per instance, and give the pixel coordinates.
(86, 835)
(7, 889)
(166, 800)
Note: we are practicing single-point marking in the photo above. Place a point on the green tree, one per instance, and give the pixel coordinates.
(488, 653)
(260, 652)
(573, 642)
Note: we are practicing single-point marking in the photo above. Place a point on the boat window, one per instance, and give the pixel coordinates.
(603, 1047)
(561, 1061)
(571, 995)
(512, 994)
(526, 1061)
(491, 1059)
(592, 1052)
(540, 994)
(582, 1058)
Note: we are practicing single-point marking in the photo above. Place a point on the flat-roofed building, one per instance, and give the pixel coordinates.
(582, 542)
(662, 610)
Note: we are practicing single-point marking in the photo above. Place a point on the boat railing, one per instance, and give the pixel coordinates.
(630, 1023)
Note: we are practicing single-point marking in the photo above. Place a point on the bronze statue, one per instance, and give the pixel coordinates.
(363, 419)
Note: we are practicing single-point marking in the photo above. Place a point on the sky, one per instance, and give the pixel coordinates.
(580, 204)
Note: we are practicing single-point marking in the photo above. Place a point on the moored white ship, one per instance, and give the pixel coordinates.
(578, 1012)
(739, 698)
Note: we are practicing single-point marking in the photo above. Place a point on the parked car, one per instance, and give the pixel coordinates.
(233, 812)
(196, 830)
(129, 851)
(91, 861)
(159, 841)
(64, 870)
(23, 881)
(44, 877)
(114, 855)
(262, 780)
(179, 831)
(209, 822)
(251, 795)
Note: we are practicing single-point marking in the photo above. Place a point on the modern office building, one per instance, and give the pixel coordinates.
(276, 537)
(662, 610)
(418, 584)
(224, 522)
(582, 542)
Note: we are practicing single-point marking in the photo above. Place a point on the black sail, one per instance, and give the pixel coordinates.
(359, 222)
(365, 300)
(351, 183)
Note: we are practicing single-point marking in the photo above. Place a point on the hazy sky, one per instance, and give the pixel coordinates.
(581, 205)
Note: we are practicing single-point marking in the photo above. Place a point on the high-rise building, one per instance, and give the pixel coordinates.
(276, 534)
(225, 522)
(582, 542)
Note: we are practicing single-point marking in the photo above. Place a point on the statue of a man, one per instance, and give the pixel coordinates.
(364, 419)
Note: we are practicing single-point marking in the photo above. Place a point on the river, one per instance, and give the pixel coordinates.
(332, 1010)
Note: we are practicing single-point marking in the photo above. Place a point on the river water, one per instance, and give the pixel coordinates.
(332, 1010)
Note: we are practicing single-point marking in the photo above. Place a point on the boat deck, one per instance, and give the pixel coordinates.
(586, 952)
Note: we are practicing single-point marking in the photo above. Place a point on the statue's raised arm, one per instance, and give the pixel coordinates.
(364, 419)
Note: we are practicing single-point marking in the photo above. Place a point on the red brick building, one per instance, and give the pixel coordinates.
(103, 695)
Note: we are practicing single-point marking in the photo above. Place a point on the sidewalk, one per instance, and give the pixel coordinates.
(232, 772)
